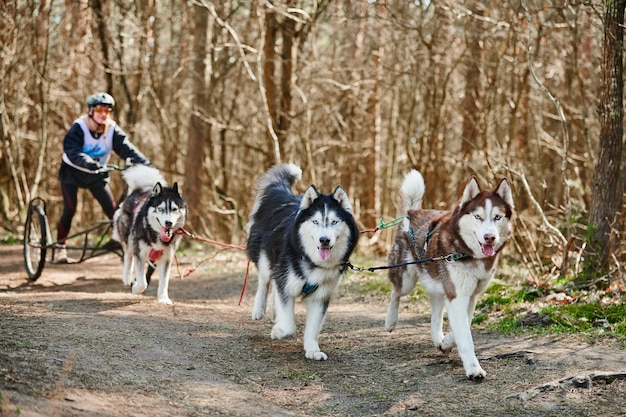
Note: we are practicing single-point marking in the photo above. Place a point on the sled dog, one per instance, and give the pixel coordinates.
(146, 224)
(300, 245)
(467, 242)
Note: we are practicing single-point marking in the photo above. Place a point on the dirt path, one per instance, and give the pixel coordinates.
(76, 343)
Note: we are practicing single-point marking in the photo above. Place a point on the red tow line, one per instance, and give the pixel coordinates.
(224, 246)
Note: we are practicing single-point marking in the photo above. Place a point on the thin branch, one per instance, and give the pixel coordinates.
(560, 113)
(544, 219)
(233, 33)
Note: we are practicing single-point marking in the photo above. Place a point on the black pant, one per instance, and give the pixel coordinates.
(101, 192)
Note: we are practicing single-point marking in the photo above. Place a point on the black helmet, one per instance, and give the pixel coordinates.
(100, 98)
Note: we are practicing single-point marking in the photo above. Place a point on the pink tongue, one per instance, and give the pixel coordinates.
(487, 250)
(324, 253)
(165, 234)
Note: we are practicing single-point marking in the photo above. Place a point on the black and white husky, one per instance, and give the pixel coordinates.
(147, 225)
(469, 238)
(300, 245)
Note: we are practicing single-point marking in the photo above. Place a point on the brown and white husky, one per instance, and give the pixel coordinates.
(454, 254)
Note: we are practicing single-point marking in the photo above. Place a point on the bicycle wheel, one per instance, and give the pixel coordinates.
(35, 240)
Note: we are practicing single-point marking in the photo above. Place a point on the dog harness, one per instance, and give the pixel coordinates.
(429, 233)
(155, 254)
(308, 288)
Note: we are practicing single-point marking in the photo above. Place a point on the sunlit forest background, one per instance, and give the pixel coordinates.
(355, 92)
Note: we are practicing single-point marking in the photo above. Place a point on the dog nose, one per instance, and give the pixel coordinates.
(168, 223)
(490, 239)
(325, 242)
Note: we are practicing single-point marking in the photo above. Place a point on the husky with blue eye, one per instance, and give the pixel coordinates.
(300, 245)
(148, 224)
(464, 245)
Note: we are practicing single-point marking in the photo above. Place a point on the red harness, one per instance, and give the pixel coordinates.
(155, 254)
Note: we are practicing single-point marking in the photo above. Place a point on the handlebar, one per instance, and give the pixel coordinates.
(112, 167)
(109, 168)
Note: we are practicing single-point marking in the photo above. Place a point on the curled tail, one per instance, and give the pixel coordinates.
(280, 177)
(142, 177)
(412, 190)
(285, 173)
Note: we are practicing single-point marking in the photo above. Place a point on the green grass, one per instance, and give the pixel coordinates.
(23, 345)
(592, 318)
(294, 375)
(9, 240)
(373, 284)
(509, 308)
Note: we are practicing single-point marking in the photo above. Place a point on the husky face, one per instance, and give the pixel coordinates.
(167, 211)
(484, 223)
(324, 233)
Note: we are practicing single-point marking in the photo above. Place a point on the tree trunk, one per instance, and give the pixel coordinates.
(287, 31)
(469, 104)
(269, 69)
(101, 30)
(198, 129)
(606, 202)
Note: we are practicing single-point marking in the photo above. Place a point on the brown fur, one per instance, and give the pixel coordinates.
(454, 253)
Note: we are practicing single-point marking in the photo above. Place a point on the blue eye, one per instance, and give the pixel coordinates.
(497, 217)
(315, 222)
(477, 217)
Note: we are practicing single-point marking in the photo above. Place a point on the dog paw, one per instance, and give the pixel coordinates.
(165, 300)
(257, 314)
(138, 289)
(390, 326)
(476, 373)
(279, 333)
(443, 348)
(316, 355)
(447, 343)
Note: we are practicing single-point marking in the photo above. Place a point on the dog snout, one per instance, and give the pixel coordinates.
(490, 238)
(168, 223)
(325, 242)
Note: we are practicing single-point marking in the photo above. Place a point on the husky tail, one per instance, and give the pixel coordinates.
(142, 177)
(413, 189)
(278, 179)
(286, 174)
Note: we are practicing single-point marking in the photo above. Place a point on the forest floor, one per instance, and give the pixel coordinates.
(77, 343)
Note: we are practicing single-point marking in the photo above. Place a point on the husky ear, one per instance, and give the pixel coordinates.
(175, 188)
(158, 188)
(472, 189)
(309, 196)
(342, 198)
(504, 191)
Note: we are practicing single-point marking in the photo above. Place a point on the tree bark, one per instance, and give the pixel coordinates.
(269, 69)
(469, 104)
(199, 132)
(606, 202)
(287, 31)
